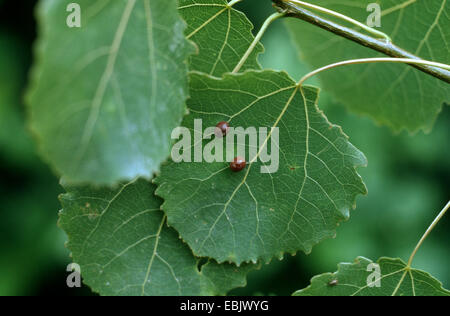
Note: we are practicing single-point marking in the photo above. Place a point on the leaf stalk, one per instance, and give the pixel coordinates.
(429, 230)
(371, 61)
(258, 37)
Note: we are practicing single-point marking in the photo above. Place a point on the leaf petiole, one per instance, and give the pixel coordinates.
(374, 60)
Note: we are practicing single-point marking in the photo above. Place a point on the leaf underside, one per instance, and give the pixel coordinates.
(398, 96)
(354, 279)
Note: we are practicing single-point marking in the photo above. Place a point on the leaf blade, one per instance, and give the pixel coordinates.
(222, 35)
(395, 279)
(251, 215)
(397, 96)
(120, 239)
(96, 90)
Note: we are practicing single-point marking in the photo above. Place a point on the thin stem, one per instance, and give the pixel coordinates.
(233, 2)
(432, 226)
(258, 37)
(387, 48)
(374, 60)
(341, 16)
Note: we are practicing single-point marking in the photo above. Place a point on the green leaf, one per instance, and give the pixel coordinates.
(105, 97)
(120, 239)
(15, 143)
(398, 96)
(242, 217)
(221, 34)
(354, 279)
(207, 25)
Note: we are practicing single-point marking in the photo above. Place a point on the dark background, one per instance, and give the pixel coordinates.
(408, 180)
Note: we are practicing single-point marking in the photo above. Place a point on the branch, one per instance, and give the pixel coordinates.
(382, 46)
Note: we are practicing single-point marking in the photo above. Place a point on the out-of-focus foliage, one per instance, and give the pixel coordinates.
(15, 143)
(397, 96)
(33, 258)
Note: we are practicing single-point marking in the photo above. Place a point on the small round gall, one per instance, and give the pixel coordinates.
(221, 129)
(238, 164)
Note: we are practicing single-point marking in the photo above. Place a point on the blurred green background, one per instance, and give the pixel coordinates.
(408, 180)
